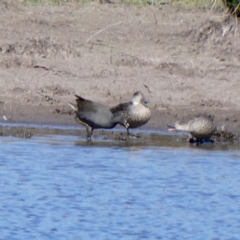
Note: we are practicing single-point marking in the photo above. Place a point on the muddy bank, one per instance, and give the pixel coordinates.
(225, 120)
(185, 61)
(139, 138)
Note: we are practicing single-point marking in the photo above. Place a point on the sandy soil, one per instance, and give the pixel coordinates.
(185, 61)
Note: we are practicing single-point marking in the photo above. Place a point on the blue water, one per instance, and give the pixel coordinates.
(56, 187)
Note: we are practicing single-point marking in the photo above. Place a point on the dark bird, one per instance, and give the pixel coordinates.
(94, 115)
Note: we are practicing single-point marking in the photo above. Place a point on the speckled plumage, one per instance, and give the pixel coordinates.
(135, 112)
(201, 127)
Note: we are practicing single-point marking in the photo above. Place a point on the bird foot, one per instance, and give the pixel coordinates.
(133, 136)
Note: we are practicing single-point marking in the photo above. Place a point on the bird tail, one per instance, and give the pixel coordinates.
(72, 106)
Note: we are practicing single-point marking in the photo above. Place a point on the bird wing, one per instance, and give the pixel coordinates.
(120, 107)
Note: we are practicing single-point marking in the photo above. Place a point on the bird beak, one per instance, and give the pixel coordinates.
(144, 100)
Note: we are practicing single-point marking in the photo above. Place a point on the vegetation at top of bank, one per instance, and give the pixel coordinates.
(199, 3)
(233, 6)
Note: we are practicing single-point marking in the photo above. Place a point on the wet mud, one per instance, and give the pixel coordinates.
(117, 136)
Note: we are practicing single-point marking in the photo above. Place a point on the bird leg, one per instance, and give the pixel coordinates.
(198, 141)
(89, 133)
(132, 135)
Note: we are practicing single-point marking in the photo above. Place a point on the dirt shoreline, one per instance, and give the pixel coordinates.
(224, 119)
(185, 61)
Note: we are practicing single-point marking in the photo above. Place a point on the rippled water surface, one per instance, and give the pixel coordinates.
(57, 187)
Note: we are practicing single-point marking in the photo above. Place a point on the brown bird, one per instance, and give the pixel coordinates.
(135, 112)
(201, 128)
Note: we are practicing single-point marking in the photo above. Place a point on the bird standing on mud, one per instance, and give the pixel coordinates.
(135, 112)
(94, 115)
(201, 128)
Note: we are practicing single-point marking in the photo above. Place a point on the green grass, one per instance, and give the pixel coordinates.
(196, 3)
(50, 2)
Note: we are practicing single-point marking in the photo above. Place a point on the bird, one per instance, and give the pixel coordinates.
(135, 112)
(201, 127)
(94, 116)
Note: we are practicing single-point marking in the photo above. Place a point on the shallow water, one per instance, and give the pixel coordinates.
(60, 187)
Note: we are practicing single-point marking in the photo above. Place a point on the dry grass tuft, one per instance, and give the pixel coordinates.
(197, 3)
(233, 6)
